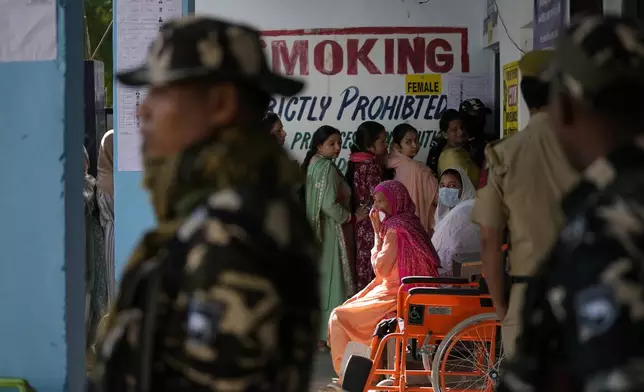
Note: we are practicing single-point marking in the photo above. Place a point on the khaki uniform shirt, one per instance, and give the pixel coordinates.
(528, 175)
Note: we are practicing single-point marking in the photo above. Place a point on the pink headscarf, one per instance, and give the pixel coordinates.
(416, 254)
(360, 156)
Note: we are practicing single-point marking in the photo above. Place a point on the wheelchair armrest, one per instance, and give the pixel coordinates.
(445, 291)
(434, 280)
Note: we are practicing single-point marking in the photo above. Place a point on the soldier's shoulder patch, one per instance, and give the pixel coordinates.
(203, 321)
(596, 311)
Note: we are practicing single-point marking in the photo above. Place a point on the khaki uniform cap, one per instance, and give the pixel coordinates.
(534, 63)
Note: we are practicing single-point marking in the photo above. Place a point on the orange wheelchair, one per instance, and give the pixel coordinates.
(449, 324)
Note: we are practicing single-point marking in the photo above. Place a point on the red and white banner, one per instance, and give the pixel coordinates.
(359, 74)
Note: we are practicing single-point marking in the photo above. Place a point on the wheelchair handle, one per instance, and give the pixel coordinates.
(434, 280)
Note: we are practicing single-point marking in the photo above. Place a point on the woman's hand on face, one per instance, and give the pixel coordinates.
(362, 213)
(374, 215)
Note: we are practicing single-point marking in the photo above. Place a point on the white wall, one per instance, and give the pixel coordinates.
(292, 14)
(312, 14)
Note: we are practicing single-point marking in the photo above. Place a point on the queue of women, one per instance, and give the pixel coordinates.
(388, 217)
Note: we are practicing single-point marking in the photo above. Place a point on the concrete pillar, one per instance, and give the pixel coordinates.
(41, 214)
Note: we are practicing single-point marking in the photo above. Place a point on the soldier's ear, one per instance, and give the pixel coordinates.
(223, 104)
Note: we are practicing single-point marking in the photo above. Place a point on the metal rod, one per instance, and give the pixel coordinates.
(102, 39)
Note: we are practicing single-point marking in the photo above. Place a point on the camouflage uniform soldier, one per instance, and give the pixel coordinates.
(222, 294)
(583, 315)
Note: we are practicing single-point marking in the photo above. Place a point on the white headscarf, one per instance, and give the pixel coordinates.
(454, 232)
(468, 193)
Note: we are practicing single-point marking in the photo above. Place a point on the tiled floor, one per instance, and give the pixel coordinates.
(323, 372)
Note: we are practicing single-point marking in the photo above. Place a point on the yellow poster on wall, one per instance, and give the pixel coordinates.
(510, 98)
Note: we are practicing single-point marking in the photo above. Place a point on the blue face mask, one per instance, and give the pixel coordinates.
(449, 196)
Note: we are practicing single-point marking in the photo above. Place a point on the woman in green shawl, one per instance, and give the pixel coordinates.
(328, 198)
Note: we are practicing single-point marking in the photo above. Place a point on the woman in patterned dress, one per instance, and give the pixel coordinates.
(364, 172)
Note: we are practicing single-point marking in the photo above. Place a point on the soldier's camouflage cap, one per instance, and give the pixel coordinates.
(194, 47)
(594, 53)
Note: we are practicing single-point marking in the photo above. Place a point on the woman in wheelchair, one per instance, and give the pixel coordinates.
(455, 233)
(402, 248)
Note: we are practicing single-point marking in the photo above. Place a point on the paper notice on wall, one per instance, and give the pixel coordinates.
(461, 87)
(137, 25)
(28, 30)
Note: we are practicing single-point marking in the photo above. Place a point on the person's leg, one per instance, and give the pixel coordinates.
(511, 325)
(355, 322)
(338, 340)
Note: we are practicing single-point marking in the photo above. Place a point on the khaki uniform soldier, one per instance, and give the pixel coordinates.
(527, 177)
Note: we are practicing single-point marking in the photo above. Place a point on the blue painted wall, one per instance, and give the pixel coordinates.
(41, 210)
(132, 211)
(132, 214)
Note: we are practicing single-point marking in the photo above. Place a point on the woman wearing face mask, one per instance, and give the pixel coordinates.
(454, 232)
(402, 248)
(418, 178)
(328, 199)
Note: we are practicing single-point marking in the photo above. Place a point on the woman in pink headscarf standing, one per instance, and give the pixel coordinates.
(402, 248)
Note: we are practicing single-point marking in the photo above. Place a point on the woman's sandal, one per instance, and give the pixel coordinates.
(323, 346)
(333, 386)
(387, 382)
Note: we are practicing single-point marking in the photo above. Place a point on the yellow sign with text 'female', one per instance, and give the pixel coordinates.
(426, 84)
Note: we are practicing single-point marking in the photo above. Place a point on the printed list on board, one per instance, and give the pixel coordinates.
(137, 24)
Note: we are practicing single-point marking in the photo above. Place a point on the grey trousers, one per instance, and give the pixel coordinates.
(106, 207)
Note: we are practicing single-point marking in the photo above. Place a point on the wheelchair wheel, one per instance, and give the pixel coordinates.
(357, 374)
(468, 358)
